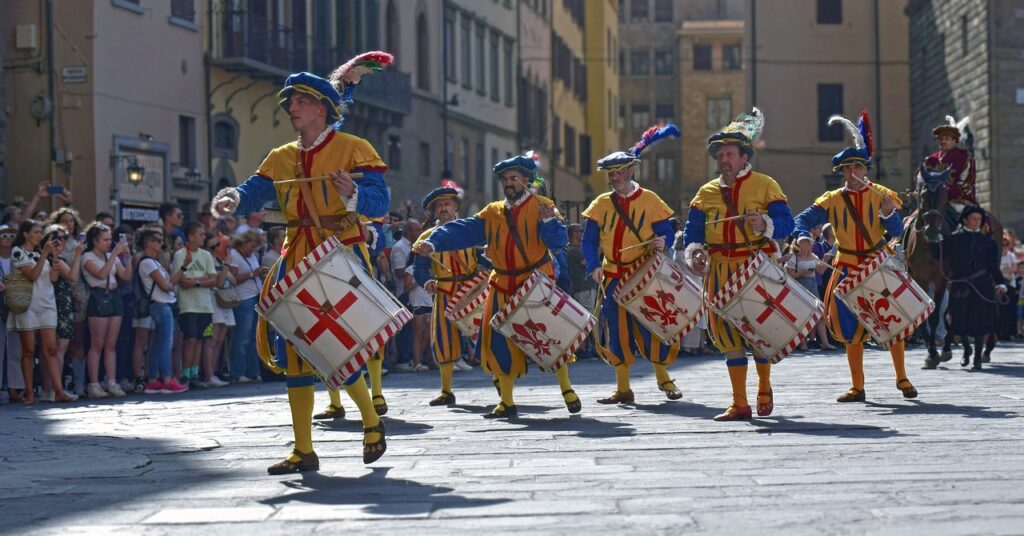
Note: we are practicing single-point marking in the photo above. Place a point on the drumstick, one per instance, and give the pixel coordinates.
(634, 246)
(439, 263)
(316, 179)
(722, 220)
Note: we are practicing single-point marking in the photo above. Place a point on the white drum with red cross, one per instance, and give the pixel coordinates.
(661, 298)
(545, 322)
(333, 312)
(887, 302)
(769, 308)
(466, 307)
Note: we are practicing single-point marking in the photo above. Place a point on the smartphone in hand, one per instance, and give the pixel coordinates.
(55, 190)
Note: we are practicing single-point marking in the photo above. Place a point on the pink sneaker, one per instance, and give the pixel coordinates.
(154, 386)
(174, 387)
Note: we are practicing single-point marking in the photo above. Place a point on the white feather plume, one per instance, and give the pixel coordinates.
(858, 139)
(950, 120)
(962, 124)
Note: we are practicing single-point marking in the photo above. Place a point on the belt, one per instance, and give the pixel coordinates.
(333, 223)
(546, 258)
(455, 278)
(861, 252)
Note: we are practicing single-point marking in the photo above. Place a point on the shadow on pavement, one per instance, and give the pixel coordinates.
(1014, 371)
(916, 407)
(783, 425)
(582, 426)
(679, 408)
(394, 427)
(376, 492)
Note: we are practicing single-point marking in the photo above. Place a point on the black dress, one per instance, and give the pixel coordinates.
(974, 263)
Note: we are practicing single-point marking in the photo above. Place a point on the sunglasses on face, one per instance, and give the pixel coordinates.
(8, 236)
(62, 238)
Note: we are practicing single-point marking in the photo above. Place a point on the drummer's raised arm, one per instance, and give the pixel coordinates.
(372, 196)
(459, 234)
(254, 194)
(553, 233)
(693, 230)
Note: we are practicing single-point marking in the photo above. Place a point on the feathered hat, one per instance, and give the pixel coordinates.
(742, 132)
(447, 190)
(335, 92)
(631, 157)
(951, 127)
(863, 142)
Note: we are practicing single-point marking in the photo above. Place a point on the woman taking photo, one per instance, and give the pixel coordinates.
(75, 344)
(33, 257)
(248, 275)
(101, 268)
(158, 286)
(58, 236)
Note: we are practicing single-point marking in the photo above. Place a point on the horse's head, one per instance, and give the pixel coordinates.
(931, 187)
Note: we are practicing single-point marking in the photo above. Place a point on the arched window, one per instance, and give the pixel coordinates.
(225, 136)
(422, 52)
(392, 30)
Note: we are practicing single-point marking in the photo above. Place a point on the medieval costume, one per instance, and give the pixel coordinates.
(958, 160)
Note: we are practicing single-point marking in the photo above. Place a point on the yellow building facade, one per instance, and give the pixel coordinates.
(601, 39)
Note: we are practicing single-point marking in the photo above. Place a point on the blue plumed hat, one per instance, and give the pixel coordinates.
(623, 159)
(316, 87)
(335, 92)
(447, 190)
(863, 144)
(742, 132)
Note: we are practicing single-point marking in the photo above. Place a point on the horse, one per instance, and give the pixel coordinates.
(925, 227)
(924, 232)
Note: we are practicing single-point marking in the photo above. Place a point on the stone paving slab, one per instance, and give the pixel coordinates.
(949, 462)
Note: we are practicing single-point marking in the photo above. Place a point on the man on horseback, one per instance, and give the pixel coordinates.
(958, 160)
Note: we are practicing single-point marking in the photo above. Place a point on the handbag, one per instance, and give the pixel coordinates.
(104, 299)
(17, 292)
(227, 296)
(143, 302)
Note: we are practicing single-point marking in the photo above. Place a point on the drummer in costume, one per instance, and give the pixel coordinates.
(628, 217)
(316, 211)
(976, 283)
(860, 212)
(518, 233)
(442, 277)
(738, 191)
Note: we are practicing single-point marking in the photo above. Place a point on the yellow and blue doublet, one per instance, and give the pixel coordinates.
(511, 268)
(853, 246)
(458, 266)
(338, 151)
(605, 233)
(725, 241)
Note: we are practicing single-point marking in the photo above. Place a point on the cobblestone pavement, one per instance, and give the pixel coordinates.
(949, 462)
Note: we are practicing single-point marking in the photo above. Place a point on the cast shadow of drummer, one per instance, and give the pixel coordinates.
(680, 408)
(784, 425)
(916, 407)
(1002, 369)
(577, 425)
(376, 492)
(395, 427)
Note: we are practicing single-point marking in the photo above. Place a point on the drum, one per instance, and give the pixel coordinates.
(545, 322)
(888, 303)
(661, 298)
(466, 306)
(771, 310)
(333, 313)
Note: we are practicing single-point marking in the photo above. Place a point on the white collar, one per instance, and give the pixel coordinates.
(742, 174)
(633, 187)
(526, 195)
(317, 142)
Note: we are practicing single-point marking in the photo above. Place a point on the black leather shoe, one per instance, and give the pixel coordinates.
(307, 462)
(332, 412)
(852, 395)
(618, 398)
(574, 406)
(503, 412)
(380, 407)
(373, 451)
(447, 398)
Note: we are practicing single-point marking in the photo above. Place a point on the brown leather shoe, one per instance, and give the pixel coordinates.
(574, 406)
(734, 413)
(907, 388)
(307, 462)
(670, 390)
(380, 407)
(332, 412)
(502, 411)
(447, 398)
(373, 451)
(618, 398)
(852, 395)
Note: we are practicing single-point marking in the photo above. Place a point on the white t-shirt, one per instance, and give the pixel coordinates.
(802, 265)
(250, 288)
(400, 255)
(97, 261)
(146, 268)
(419, 297)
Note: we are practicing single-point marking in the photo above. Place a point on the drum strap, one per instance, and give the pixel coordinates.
(518, 240)
(546, 258)
(455, 278)
(307, 193)
(859, 222)
(731, 211)
(625, 217)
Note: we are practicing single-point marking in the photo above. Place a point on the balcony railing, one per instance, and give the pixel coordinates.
(245, 39)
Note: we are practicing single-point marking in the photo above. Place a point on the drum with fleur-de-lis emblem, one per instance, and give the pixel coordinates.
(889, 304)
(545, 322)
(334, 313)
(770, 309)
(466, 307)
(661, 298)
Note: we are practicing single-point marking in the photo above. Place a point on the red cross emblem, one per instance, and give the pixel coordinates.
(905, 284)
(563, 300)
(326, 317)
(773, 304)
